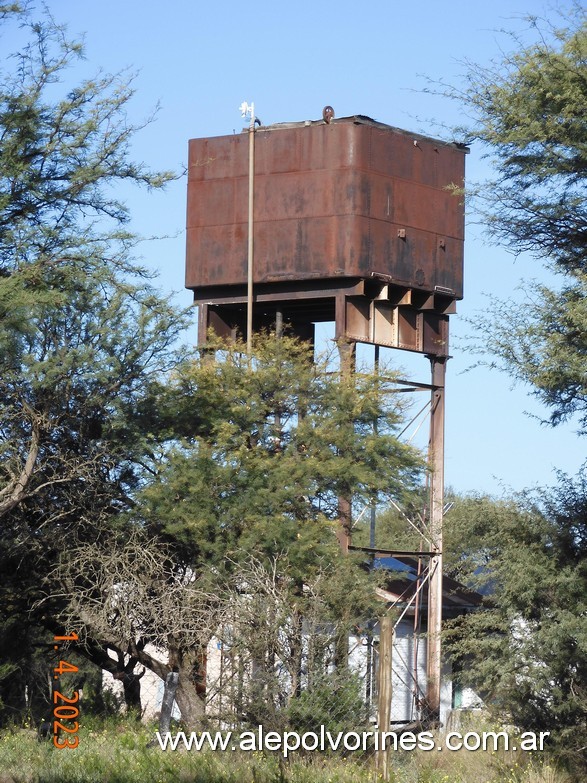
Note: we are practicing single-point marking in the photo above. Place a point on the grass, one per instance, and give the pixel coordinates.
(117, 752)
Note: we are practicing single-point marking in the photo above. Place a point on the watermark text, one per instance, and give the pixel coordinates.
(323, 740)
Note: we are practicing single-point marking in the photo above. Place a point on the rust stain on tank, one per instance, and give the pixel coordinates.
(353, 198)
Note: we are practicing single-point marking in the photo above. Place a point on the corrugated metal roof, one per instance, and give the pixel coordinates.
(404, 580)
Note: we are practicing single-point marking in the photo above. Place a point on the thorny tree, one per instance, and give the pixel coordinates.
(130, 600)
(528, 113)
(82, 333)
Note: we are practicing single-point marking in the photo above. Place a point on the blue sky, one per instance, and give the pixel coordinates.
(199, 61)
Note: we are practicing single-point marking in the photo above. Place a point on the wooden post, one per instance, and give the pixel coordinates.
(386, 633)
(171, 683)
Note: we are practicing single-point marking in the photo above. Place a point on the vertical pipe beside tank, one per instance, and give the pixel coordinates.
(250, 248)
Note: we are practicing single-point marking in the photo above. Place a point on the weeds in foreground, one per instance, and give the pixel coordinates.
(117, 752)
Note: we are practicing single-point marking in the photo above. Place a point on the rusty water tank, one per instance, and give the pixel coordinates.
(353, 198)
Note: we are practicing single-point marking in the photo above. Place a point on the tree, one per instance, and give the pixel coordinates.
(83, 334)
(526, 652)
(66, 273)
(529, 648)
(528, 114)
(132, 604)
(94, 443)
(276, 439)
(61, 283)
(528, 110)
(259, 448)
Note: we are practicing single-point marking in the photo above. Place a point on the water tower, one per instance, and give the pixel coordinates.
(346, 220)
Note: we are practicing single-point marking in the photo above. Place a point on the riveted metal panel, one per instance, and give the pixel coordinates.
(352, 198)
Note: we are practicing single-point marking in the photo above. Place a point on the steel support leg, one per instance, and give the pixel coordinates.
(436, 458)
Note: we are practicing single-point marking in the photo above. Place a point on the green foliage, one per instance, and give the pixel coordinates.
(267, 447)
(81, 330)
(237, 515)
(543, 342)
(527, 651)
(528, 111)
(334, 701)
(118, 752)
(24, 691)
(397, 527)
(63, 147)
(256, 452)
(83, 334)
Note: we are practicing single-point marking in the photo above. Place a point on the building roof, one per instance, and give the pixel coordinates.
(406, 576)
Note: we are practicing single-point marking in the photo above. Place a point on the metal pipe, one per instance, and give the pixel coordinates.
(250, 248)
(279, 323)
(417, 627)
(375, 429)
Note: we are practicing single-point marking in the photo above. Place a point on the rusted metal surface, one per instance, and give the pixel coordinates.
(359, 316)
(435, 591)
(349, 199)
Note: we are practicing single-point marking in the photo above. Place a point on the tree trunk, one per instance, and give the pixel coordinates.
(97, 653)
(191, 703)
(131, 684)
(191, 689)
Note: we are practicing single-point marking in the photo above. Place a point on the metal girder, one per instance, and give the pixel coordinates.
(385, 316)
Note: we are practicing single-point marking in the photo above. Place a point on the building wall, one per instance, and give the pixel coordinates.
(408, 679)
